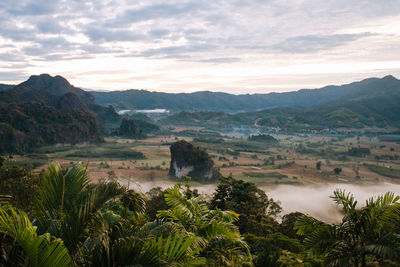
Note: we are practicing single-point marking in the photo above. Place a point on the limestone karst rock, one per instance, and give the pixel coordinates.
(192, 161)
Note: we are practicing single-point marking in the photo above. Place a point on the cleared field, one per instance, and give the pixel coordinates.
(293, 161)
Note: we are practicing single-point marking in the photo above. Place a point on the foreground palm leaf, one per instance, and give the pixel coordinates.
(40, 251)
(177, 250)
(193, 217)
(67, 204)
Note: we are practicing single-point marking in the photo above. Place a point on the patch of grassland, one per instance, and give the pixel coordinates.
(268, 175)
(384, 171)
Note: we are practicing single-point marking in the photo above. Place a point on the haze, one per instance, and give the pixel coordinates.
(186, 46)
(312, 200)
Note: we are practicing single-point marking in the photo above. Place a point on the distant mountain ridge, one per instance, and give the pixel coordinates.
(378, 112)
(4, 87)
(216, 101)
(369, 103)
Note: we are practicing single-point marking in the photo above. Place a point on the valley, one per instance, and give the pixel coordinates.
(293, 161)
(346, 140)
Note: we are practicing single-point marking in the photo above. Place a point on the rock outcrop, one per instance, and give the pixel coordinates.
(129, 129)
(192, 161)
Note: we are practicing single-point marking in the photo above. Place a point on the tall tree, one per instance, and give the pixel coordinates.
(257, 211)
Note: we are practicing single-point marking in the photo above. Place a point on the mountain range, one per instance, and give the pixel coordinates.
(370, 103)
(49, 110)
(229, 103)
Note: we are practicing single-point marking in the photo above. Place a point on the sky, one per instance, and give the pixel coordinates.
(242, 46)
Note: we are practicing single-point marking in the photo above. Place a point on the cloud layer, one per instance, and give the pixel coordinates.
(200, 45)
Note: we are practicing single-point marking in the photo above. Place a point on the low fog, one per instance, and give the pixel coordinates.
(312, 200)
(316, 201)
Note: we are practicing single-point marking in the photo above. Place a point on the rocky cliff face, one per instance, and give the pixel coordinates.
(192, 161)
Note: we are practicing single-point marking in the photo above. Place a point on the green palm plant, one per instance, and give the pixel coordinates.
(367, 232)
(208, 228)
(26, 247)
(67, 204)
(118, 242)
(101, 224)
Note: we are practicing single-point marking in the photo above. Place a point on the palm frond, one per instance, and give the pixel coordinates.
(179, 250)
(39, 250)
(346, 200)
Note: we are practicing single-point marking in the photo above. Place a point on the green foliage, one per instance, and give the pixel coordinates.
(210, 140)
(263, 138)
(146, 126)
(288, 223)
(318, 165)
(337, 170)
(268, 251)
(256, 210)
(133, 201)
(156, 202)
(365, 234)
(359, 151)
(28, 125)
(193, 217)
(130, 129)
(211, 101)
(104, 224)
(27, 248)
(119, 153)
(19, 184)
(67, 203)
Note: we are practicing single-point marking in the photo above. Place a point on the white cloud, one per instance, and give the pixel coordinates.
(240, 46)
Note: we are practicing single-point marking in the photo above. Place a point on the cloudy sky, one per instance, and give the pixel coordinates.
(239, 46)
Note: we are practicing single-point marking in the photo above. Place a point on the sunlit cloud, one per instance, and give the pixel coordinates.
(184, 46)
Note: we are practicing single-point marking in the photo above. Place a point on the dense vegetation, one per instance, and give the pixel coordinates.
(72, 222)
(263, 138)
(380, 112)
(129, 129)
(28, 125)
(370, 103)
(48, 110)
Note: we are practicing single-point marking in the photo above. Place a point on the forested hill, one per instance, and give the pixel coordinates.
(56, 85)
(210, 101)
(48, 110)
(48, 89)
(4, 87)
